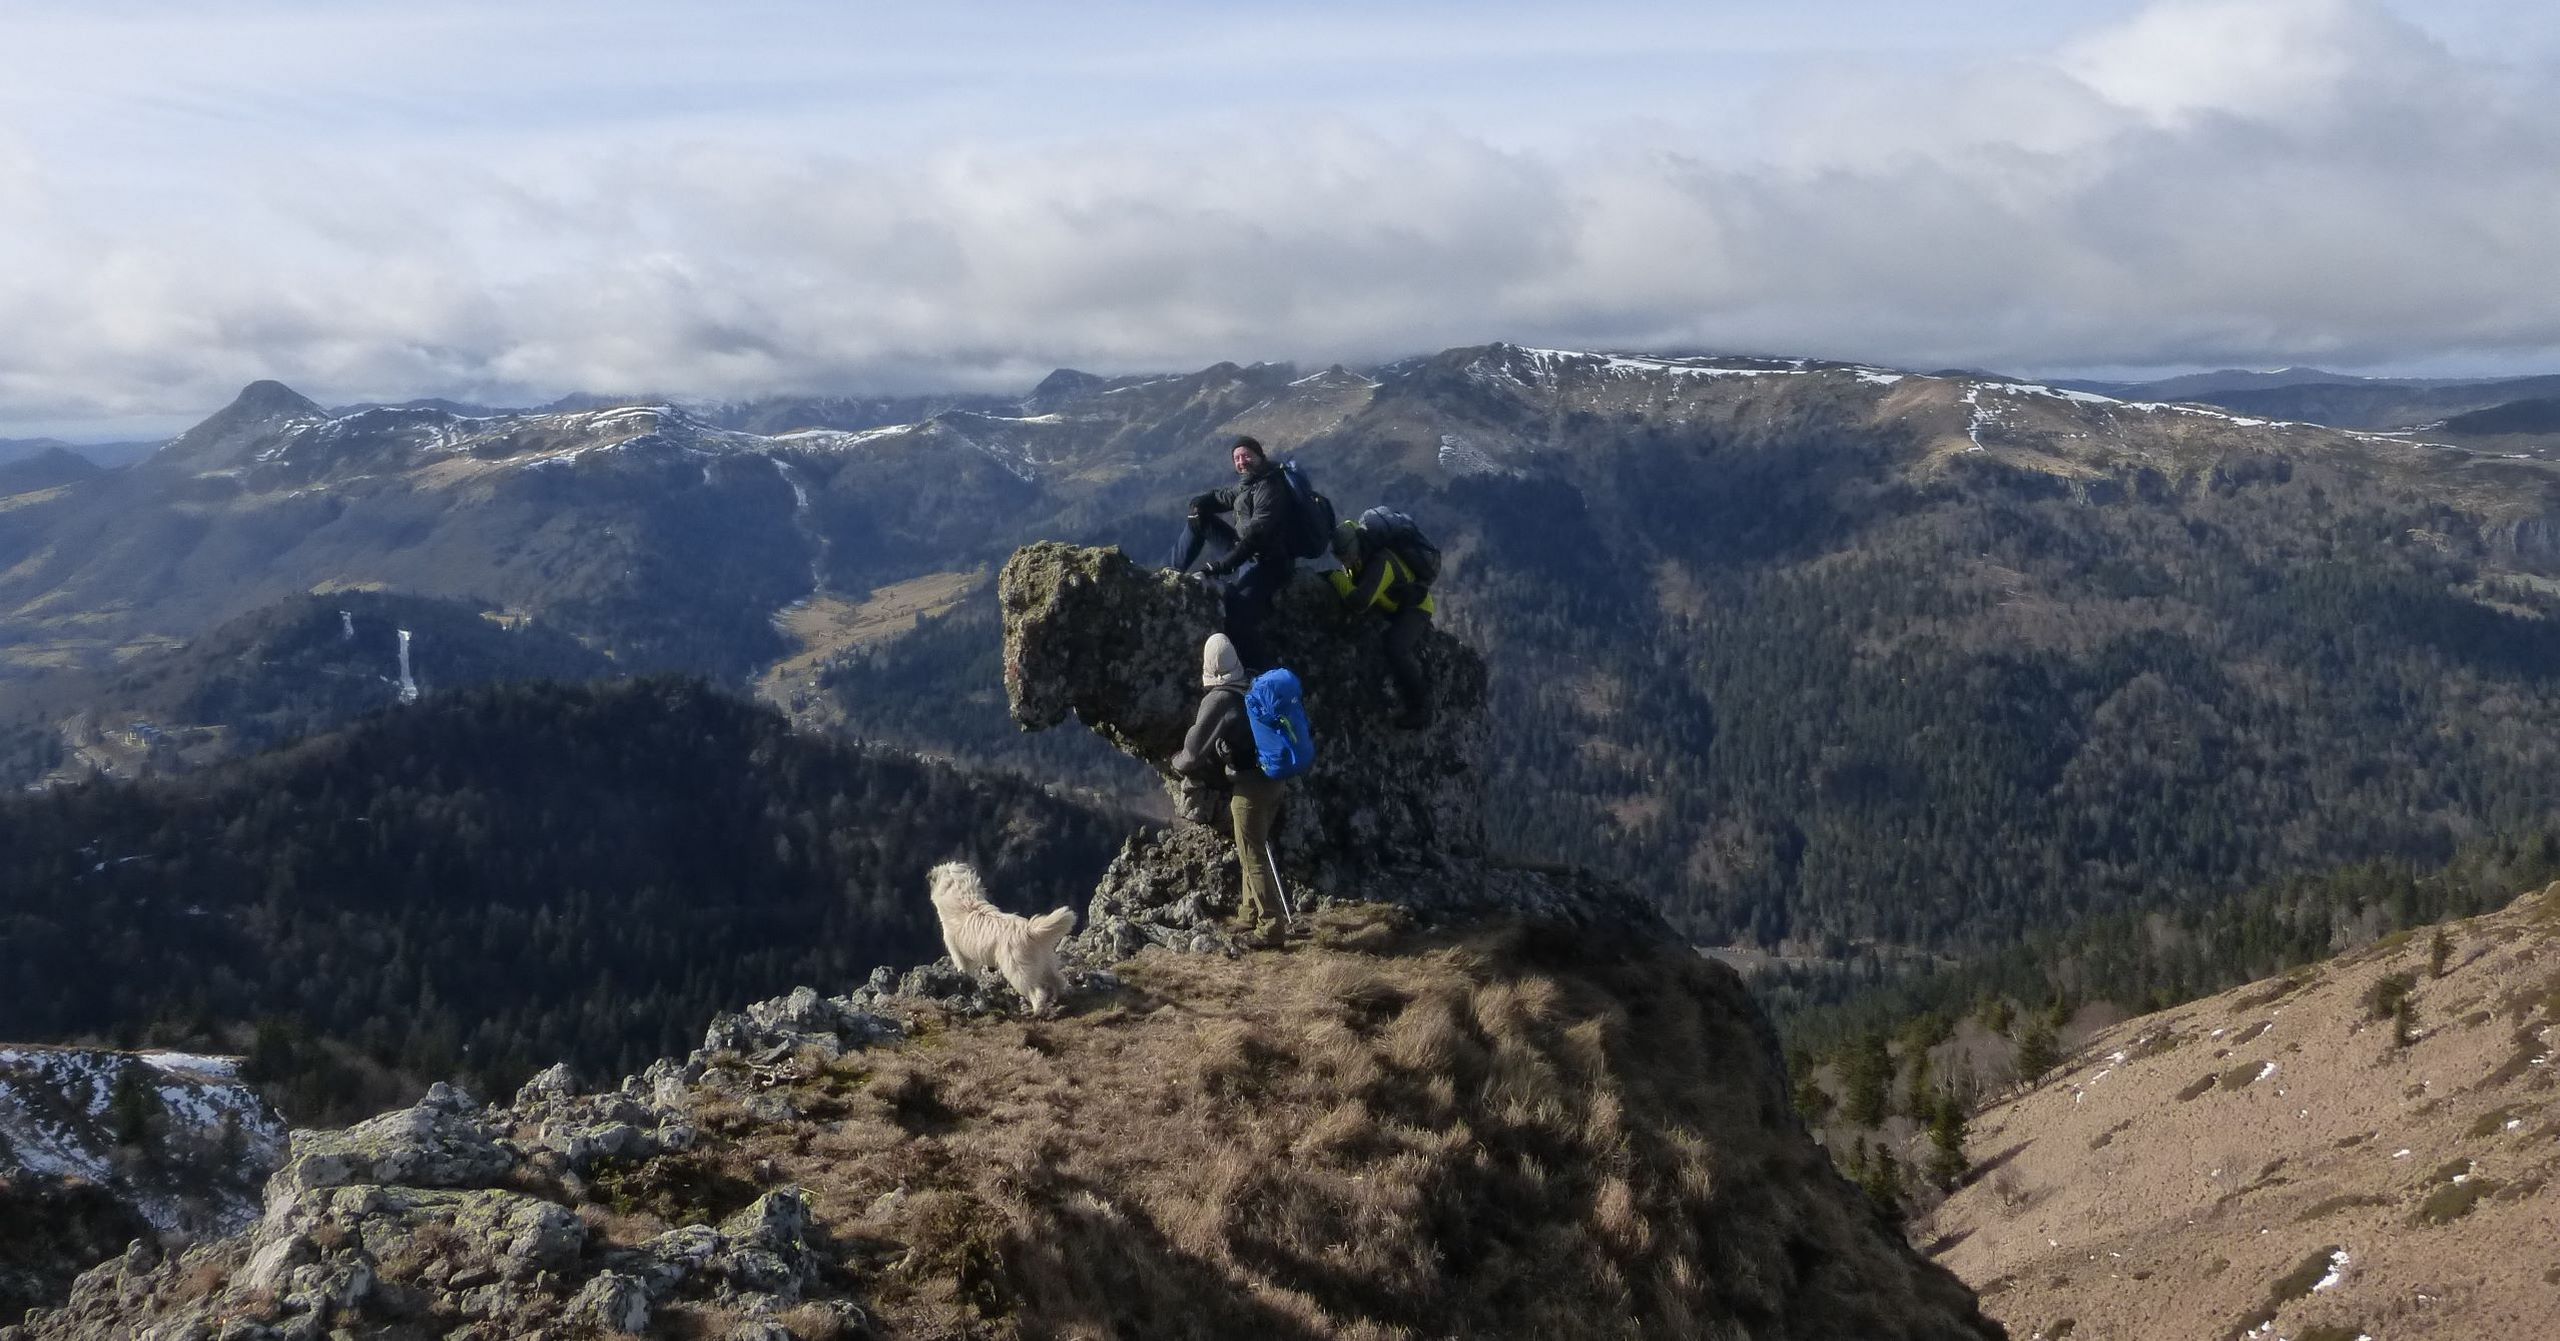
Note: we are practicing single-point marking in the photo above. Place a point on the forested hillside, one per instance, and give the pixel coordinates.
(492, 881)
(303, 665)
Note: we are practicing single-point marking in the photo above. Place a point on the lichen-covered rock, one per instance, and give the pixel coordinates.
(1387, 815)
(439, 1142)
(552, 1084)
(374, 1260)
(612, 1302)
(802, 1019)
(941, 984)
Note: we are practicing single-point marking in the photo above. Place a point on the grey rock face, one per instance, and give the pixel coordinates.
(1386, 815)
(612, 1302)
(441, 1142)
(802, 1019)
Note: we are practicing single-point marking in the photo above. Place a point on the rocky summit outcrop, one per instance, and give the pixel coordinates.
(1387, 1130)
(1387, 815)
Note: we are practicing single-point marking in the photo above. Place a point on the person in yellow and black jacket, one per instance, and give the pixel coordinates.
(1382, 576)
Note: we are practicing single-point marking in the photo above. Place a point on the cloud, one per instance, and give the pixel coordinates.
(2206, 181)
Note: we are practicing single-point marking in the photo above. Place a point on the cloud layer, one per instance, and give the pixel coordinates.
(2202, 182)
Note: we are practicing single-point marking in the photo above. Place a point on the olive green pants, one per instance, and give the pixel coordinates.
(1255, 806)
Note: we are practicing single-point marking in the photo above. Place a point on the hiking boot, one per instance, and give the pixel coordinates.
(1263, 935)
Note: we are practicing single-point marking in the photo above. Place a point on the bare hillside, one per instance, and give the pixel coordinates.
(2305, 1157)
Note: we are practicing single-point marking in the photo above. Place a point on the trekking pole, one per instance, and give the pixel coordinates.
(1287, 913)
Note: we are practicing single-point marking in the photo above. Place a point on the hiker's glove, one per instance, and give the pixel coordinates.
(1219, 569)
(1199, 804)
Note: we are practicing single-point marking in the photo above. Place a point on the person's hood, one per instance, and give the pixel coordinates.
(1220, 667)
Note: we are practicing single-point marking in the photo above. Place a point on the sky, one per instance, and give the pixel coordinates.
(503, 203)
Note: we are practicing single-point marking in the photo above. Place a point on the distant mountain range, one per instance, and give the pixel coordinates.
(107, 454)
(2311, 396)
(1822, 654)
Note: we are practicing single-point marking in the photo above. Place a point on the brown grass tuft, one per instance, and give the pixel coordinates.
(1236, 1062)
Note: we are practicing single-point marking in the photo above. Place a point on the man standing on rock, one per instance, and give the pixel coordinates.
(1219, 755)
(1246, 528)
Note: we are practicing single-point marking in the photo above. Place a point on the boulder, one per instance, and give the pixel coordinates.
(802, 1019)
(439, 1142)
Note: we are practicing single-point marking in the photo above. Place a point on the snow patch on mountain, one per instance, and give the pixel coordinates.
(1461, 457)
(59, 1118)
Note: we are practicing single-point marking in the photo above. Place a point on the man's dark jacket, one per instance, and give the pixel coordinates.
(1220, 743)
(1261, 504)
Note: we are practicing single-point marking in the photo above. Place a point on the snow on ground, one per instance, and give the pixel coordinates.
(1461, 457)
(55, 1123)
(1638, 365)
(1973, 428)
(197, 1062)
(2057, 393)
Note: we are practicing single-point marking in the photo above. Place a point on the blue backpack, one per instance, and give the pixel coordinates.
(1282, 740)
(1311, 516)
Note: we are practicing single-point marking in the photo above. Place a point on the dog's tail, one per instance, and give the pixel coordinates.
(1051, 927)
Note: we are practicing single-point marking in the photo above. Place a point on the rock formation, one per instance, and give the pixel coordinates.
(1386, 815)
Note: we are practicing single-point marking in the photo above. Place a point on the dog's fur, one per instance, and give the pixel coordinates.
(980, 935)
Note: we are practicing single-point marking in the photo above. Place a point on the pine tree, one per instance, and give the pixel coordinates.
(1867, 1072)
(1813, 1103)
(2038, 1050)
(130, 1109)
(1947, 1163)
(1884, 1181)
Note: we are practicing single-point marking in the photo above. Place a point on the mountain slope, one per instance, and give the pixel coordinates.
(2296, 1151)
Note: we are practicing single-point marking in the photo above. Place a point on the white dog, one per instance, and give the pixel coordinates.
(980, 935)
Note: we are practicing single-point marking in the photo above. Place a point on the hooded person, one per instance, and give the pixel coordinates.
(1218, 755)
(1244, 530)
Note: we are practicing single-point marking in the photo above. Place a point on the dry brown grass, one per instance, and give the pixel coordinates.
(811, 1323)
(1379, 1134)
(621, 1229)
